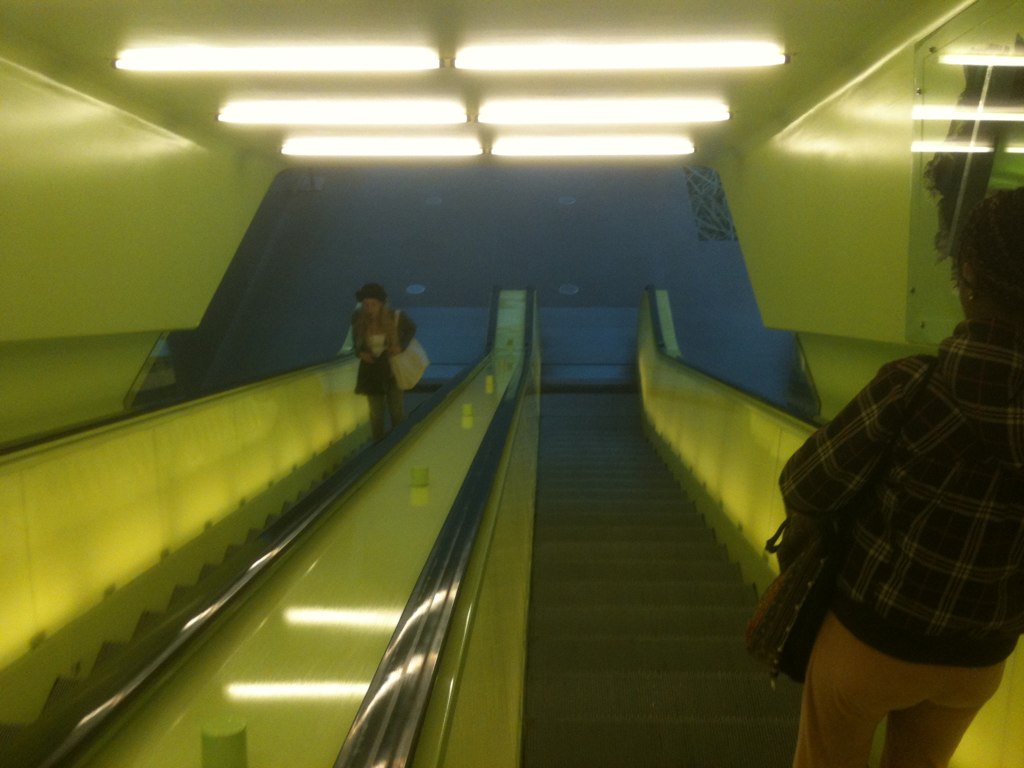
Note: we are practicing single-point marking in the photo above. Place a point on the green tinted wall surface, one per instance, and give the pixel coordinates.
(114, 229)
(111, 224)
(822, 211)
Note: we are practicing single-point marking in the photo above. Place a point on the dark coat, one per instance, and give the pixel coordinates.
(376, 378)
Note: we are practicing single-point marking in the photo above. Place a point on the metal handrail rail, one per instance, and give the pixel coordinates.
(387, 726)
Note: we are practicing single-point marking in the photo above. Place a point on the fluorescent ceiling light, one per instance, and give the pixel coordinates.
(1015, 150)
(341, 617)
(344, 112)
(619, 56)
(948, 146)
(591, 146)
(601, 111)
(306, 58)
(992, 114)
(382, 146)
(983, 59)
(296, 690)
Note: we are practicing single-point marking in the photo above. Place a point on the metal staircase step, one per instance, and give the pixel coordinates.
(635, 653)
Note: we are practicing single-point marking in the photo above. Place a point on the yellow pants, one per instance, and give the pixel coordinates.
(851, 688)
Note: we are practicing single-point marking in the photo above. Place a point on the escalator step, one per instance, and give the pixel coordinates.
(646, 653)
(706, 549)
(63, 687)
(632, 619)
(653, 594)
(146, 622)
(108, 651)
(208, 570)
(635, 641)
(635, 569)
(636, 695)
(743, 741)
(579, 532)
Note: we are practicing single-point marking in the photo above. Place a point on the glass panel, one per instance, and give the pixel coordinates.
(156, 383)
(969, 139)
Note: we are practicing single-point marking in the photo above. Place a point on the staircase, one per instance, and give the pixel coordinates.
(635, 652)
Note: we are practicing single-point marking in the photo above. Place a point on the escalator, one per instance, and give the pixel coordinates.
(635, 652)
(279, 626)
(281, 637)
(634, 646)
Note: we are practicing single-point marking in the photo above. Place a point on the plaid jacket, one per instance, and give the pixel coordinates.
(929, 458)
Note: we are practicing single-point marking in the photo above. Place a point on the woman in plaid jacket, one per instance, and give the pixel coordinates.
(930, 601)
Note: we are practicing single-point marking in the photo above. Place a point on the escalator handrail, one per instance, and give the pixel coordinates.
(55, 739)
(387, 726)
(662, 347)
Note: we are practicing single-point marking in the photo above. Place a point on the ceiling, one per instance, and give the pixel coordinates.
(828, 43)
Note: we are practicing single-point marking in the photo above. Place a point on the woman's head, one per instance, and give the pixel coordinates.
(989, 262)
(373, 297)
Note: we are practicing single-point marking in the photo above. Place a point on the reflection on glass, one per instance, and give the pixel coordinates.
(985, 116)
(264, 691)
(967, 120)
(155, 383)
(348, 618)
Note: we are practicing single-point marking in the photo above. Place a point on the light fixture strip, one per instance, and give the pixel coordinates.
(989, 114)
(382, 146)
(344, 112)
(983, 59)
(601, 111)
(948, 146)
(619, 56)
(279, 59)
(592, 146)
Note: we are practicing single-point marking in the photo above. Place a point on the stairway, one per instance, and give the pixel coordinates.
(635, 653)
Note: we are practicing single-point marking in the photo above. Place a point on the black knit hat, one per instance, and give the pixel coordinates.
(372, 291)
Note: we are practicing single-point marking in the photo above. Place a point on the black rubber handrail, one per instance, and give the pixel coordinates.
(67, 727)
(81, 428)
(659, 341)
(386, 728)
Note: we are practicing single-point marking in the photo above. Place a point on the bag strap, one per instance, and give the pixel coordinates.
(772, 545)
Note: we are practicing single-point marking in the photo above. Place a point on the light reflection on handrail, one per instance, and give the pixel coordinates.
(341, 617)
(305, 689)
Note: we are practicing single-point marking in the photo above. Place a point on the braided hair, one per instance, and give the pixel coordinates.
(992, 242)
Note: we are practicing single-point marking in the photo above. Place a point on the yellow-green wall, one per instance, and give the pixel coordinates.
(49, 384)
(822, 211)
(842, 365)
(113, 230)
(835, 222)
